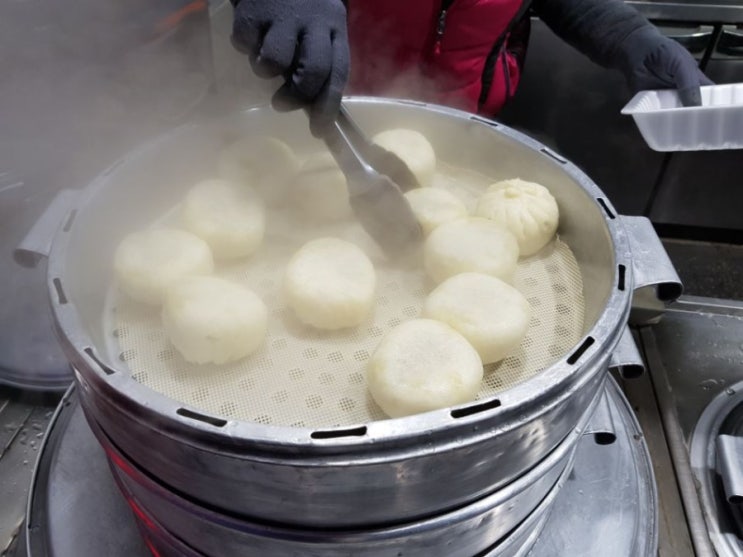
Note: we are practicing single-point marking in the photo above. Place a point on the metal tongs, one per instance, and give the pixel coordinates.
(376, 181)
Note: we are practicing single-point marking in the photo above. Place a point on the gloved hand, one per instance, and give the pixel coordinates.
(615, 35)
(657, 62)
(305, 41)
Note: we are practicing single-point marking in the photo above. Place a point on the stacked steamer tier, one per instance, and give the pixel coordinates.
(610, 487)
(288, 454)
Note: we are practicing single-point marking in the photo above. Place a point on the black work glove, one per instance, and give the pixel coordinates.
(306, 42)
(653, 61)
(615, 35)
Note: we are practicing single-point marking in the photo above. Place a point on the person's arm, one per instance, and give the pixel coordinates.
(306, 42)
(615, 35)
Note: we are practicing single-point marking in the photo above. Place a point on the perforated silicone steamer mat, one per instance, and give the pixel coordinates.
(304, 377)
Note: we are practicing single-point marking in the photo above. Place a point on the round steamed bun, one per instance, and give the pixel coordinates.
(212, 320)
(434, 206)
(492, 315)
(330, 284)
(147, 262)
(227, 216)
(470, 244)
(413, 149)
(423, 365)
(320, 190)
(263, 162)
(527, 209)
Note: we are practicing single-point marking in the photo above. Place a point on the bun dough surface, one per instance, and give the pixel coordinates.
(330, 284)
(147, 262)
(413, 149)
(227, 216)
(212, 320)
(435, 206)
(320, 190)
(265, 163)
(423, 365)
(492, 315)
(470, 244)
(527, 209)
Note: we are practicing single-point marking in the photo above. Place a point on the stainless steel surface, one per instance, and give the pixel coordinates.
(695, 359)
(23, 421)
(626, 359)
(714, 474)
(602, 425)
(609, 494)
(387, 471)
(464, 532)
(466, 540)
(37, 244)
(656, 281)
(682, 469)
(697, 353)
(722, 516)
(674, 539)
(730, 11)
(730, 466)
(74, 508)
(650, 264)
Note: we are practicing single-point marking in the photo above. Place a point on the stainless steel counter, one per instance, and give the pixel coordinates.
(695, 359)
(697, 11)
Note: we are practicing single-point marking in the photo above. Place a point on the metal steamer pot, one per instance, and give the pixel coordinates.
(384, 471)
(463, 532)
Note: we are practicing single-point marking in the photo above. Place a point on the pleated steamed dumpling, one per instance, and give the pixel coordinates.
(423, 365)
(470, 244)
(147, 262)
(227, 216)
(330, 284)
(527, 209)
(492, 315)
(413, 149)
(213, 320)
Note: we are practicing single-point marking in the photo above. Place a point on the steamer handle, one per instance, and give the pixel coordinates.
(626, 359)
(651, 266)
(602, 425)
(37, 244)
(655, 280)
(729, 458)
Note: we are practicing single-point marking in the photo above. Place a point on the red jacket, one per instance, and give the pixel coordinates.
(462, 53)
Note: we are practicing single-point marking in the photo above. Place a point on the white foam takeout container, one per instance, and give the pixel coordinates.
(666, 125)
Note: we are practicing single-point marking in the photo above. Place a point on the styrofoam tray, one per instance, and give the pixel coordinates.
(666, 125)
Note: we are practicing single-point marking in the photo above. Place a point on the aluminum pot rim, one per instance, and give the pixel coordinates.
(119, 386)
